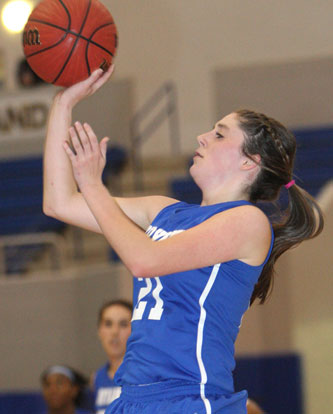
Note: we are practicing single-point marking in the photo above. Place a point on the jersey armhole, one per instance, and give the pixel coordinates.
(164, 209)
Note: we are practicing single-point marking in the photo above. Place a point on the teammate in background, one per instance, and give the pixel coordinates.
(201, 266)
(62, 389)
(26, 77)
(253, 407)
(114, 328)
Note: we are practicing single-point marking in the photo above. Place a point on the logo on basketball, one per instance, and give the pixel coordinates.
(31, 37)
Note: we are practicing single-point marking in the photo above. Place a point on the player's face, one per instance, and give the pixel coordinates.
(114, 330)
(58, 391)
(219, 155)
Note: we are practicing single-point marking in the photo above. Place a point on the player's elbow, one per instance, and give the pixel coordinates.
(137, 270)
(142, 268)
(51, 210)
(48, 210)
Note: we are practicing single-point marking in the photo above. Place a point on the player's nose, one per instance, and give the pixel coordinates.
(202, 140)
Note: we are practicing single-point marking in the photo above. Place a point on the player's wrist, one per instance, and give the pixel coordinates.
(62, 99)
(92, 188)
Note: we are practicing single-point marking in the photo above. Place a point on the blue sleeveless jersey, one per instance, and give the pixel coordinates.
(105, 389)
(185, 324)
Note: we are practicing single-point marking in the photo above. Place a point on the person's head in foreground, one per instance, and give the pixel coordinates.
(62, 389)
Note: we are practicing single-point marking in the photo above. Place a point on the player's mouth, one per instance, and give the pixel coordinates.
(197, 154)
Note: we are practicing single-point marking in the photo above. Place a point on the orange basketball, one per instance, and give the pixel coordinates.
(65, 40)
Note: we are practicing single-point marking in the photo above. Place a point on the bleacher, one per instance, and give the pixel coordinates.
(21, 198)
(21, 192)
(21, 211)
(314, 158)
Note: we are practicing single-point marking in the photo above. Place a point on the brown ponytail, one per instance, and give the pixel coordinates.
(302, 219)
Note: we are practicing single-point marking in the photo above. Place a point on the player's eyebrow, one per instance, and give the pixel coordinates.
(219, 125)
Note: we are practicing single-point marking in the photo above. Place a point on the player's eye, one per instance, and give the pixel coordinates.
(218, 135)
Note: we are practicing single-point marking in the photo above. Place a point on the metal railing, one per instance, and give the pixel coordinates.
(166, 96)
(57, 255)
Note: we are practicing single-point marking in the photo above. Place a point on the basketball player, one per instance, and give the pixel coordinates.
(62, 389)
(253, 407)
(196, 268)
(114, 328)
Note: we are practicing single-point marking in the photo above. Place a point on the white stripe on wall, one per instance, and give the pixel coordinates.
(201, 325)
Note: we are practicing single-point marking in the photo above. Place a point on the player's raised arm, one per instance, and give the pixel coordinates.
(61, 197)
(62, 200)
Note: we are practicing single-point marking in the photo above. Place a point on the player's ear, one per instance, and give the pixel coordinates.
(250, 163)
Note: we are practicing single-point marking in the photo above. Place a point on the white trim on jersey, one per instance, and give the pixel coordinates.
(201, 325)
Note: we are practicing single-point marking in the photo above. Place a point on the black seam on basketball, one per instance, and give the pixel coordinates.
(62, 28)
(100, 46)
(72, 33)
(68, 31)
(73, 48)
(47, 48)
(53, 25)
(87, 61)
(96, 44)
(68, 14)
(50, 24)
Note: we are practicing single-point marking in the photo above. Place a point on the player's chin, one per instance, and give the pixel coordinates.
(116, 352)
(114, 349)
(193, 166)
(193, 170)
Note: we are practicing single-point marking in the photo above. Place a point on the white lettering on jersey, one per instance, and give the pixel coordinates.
(156, 311)
(160, 234)
(141, 305)
(105, 396)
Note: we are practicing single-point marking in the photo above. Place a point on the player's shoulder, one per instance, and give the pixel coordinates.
(101, 372)
(247, 219)
(252, 228)
(249, 211)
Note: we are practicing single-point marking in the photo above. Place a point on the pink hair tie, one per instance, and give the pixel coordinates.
(290, 184)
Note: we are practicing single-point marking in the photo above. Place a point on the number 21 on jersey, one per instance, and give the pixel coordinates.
(157, 310)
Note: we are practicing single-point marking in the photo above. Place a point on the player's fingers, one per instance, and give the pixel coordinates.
(103, 146)
(69, 151)
(83, 137)
(96, 74)
(87, 86)
(105, 76)
(108, 73)
(76, 141)
(91, 136)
